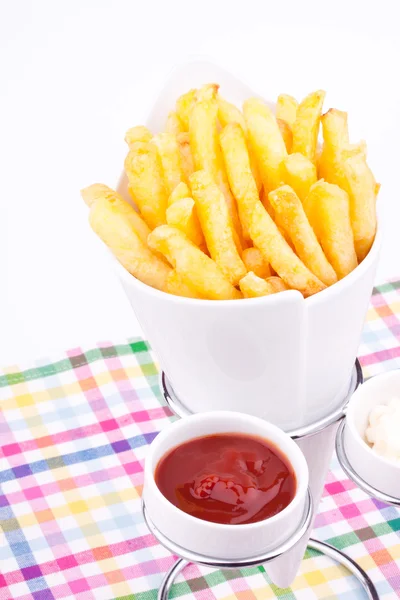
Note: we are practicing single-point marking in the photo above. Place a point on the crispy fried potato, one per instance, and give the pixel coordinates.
(327, 207)
(362, 190)
(168, 150)
(294, 221)
(229, 113)
(196, 269)
(176, 285)
(97, 191)
(299, 173)
(181, 191)
(217, 225)
(182, 214)
(280, 256)
(186, 154)
(144, 171)
(114, 227)
(137, 134)
(255, 262)
(184, 106)
(278, 284)
(335, 129)
(266, 141)
(286, 132)
(286, 109)
(252, 286)
(238, 168)
(206, 151)
(174, 125)
(306, 125)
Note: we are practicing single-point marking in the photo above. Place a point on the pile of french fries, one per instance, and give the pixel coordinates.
(227, 204)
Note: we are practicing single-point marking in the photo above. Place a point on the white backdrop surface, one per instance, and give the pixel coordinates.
(75, 75)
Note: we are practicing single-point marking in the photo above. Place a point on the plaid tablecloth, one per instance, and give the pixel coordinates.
(73, 433)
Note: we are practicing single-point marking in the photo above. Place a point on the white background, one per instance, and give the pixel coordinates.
(74, 75)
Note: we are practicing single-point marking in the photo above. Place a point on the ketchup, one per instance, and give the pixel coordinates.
(227, 478)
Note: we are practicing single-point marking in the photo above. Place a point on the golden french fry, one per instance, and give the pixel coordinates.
(168, 150)
(266, 141)
(181, 191)
(252, 286)
(294, 221)
(286, 132)
(144, 171)
(176, 285)
(99, 191)
(229, 113)
(137, 134)
(335, 129)
(327, 207)
(280, 256)
(299, 173)
(362, 190)
(174, 125)
(217, 225)
(278, 284)
(184, 106)
(286, 108)
(114, 227)
(182, 214)
(306, 125)
(197, 269)
(186, 154)
(206, 151)
(238, 168)
(255, 262)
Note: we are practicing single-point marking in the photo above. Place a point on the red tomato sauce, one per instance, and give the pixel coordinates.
(227, 478)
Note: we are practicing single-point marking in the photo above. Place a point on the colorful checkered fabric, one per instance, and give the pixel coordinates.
(73, 434)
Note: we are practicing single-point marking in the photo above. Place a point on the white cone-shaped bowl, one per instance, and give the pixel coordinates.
(282, 357)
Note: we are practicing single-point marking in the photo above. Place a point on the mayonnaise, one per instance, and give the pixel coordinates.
(383, 432)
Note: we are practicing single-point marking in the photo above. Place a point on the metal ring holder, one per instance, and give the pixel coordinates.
(187, 557)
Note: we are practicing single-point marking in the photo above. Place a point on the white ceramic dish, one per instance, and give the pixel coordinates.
(214, 539)
(281, 357)
(379, 472)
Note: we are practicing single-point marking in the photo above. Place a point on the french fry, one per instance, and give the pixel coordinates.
(181, 191)
(144, 171)
(362, 190)
(217, 226)
(98, 191)
(229, 113)
(327, 207)
(299, 173)
(168, 150)
(286, 108)
(176, 285)
(196, 269)
(252, 286)
(174, 125)
(278, 284)
(114, 227)
(280, 256)
(182, 214)
(335, 129)
(184, 106)
(266, 141)
(294, 221)
(137, 134)
(206, 151)
(255, 262)
(186, 154)
(238, 168)
(286, 132)
(306, 125)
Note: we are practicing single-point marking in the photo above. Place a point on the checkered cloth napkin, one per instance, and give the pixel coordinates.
(74, 430)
